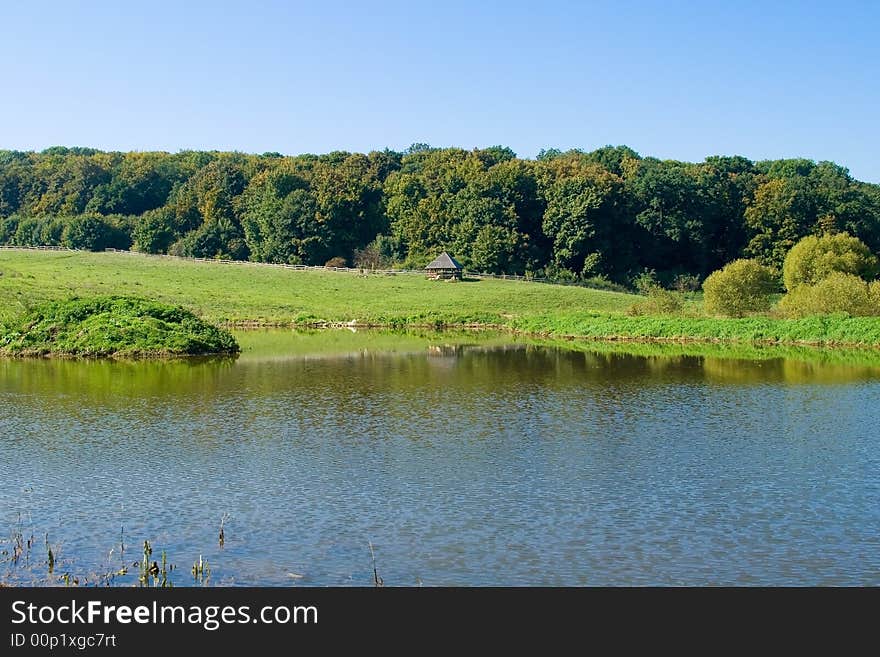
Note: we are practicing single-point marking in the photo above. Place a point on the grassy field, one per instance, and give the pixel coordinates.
(241, 295)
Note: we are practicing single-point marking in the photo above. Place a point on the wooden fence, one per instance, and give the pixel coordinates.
(35, 248)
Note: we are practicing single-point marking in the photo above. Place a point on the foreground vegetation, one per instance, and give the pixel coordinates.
(266, 296)
(828, 330)
(112, 326)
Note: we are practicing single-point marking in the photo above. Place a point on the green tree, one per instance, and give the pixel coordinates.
(279, 216)
(783, 211)
(348, 197)
(613, 158)
(465, 202)
(691, 214)
(141, 182)
(609, 212)
(14, 170)
(582, 214)
(494, 249)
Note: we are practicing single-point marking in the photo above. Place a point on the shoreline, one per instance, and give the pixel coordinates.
(273, 297)
(256, 325)
(622, 340)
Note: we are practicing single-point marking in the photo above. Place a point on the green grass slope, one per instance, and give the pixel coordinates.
(240, 293)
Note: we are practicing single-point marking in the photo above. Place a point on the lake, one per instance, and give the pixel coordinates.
(462, 459)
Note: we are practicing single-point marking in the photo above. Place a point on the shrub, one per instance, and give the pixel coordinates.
(645, 281)
(560, 275)
(38, 231)
(741, 287)
(686, 283)
(180, 248)
(838, 293)
(592, 263)
(8, 226)
(92, 233)
(369, 257)
(874, 291)
(659, 302)
(215, 239)
(236, 249)
(154, 231)
(815, 258)
(51, 232)
(601, 283)
(336, 262)
(204, 242)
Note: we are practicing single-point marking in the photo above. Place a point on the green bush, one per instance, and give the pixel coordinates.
(154, 231)
(659, 302)
(217, 239)
(686, 283)
(838, 293)
(201, 243)
(38, 231)
(560, 275)
(741, 287)
(8, 226)
(92, 233)
(646, 281)
(603, 283)
(815, 258)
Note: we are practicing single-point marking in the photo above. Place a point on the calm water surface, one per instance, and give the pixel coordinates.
(487, 463)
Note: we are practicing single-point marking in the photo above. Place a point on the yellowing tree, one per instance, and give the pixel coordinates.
(814, 259)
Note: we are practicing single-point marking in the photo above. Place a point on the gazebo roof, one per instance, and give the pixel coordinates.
(445, 261)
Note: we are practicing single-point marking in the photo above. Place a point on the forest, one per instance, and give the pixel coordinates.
(607, 217)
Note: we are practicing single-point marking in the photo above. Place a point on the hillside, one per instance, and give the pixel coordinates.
(239, 293)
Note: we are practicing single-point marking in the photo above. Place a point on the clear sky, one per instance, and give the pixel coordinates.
(672, 79)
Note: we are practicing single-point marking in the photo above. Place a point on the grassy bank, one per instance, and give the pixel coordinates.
(833, 330)
(241, 295)
(112, 326)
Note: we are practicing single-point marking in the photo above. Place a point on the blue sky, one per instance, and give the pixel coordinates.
(671, 79)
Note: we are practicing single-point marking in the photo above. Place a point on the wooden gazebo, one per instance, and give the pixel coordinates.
(444, 267)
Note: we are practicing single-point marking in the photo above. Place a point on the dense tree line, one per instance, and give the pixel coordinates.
(610, 213)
